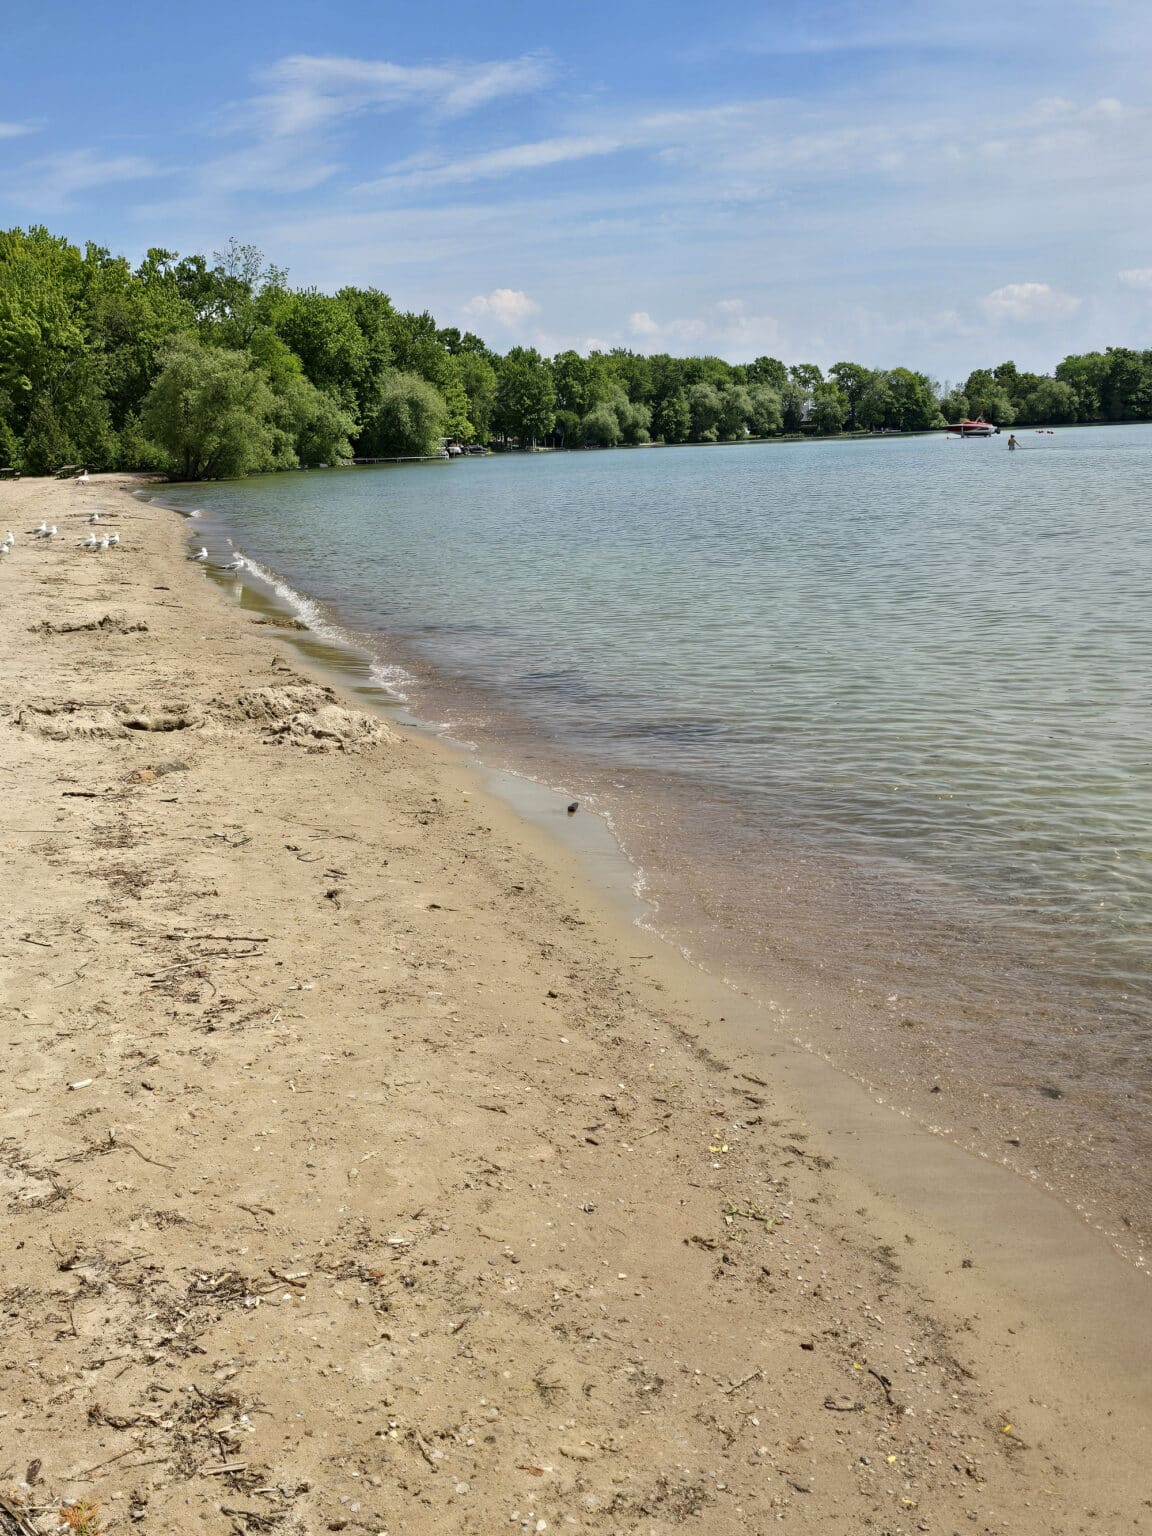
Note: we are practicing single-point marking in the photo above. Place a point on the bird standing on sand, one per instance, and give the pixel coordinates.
(114, 541)
(89, 543)
(46, 533)
(42, 528)
(82, 478)
(94, 517)
(201, 554)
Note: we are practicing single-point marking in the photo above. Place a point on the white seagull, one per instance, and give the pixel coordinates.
(82, 477)
(9, 537)
(89, 543)
(114, 540)
(201, 554)
(94, 518)
(46, 533)
(43, 528)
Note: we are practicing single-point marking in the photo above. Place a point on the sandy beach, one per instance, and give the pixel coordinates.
(364, 1168)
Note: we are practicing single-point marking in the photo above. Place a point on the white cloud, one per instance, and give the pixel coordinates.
(728, 326)
(1029, 301)
(16, 130)
(1136, 277)
(507, 306)
(52, 181)
(423, 171)
(308, 91)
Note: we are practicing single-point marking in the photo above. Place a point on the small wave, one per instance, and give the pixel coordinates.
(393, 679)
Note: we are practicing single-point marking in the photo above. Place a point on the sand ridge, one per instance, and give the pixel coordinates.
(356, 1175)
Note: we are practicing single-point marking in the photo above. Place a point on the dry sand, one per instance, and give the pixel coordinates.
(363, 1169)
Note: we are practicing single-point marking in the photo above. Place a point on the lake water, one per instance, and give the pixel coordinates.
(873, 717)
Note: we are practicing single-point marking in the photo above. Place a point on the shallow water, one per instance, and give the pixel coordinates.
(876, 712)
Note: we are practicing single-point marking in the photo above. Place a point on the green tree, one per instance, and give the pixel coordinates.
(987, 399)
(46, 444)
(672, 418)
(793, 405)
(211, 411)
(601, 426)
(409, 422)
(525, 404)
(767, 416)
(829, 409)
(704, 409)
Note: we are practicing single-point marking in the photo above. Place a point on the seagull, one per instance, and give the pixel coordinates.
(46, 533)
(43, 528)
(82, 477)
(89, 543)
(104, 542)
(235, 564)
(4, 548)
(9, 537)
(114, 540)
(94, 518)
(201, 554)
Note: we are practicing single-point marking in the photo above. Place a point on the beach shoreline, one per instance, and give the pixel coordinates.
(367, 1168)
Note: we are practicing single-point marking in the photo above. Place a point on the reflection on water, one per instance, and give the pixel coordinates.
(880, 708)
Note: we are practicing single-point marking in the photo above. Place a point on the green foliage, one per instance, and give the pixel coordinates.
(525, 404)
(211, 411)
(216, 366)
(46, 445)
(410, 419)
(672, 417)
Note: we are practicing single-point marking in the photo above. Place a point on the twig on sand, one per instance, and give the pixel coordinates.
(26, 938)
(744, 1380)
(884, 1382)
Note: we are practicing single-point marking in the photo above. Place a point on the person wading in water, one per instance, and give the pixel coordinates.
(1012, 443)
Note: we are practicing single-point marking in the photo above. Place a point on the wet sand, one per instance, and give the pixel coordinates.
(365, 1168)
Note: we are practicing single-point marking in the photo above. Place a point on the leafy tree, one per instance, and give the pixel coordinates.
(767, 370)
(672, 418)
(829, 409)
(793, 405)
(478, 379)
(211, 411)
(853, 381)
(913, 406)
(601, 426)
(46, 445)
(988, 399)
(767, 417)
(954, 406)
(410, 420)
(807, 375)
(1048, 400)
(704, 410)
(525, 405)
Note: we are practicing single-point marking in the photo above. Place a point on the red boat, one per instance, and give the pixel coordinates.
(977, 428)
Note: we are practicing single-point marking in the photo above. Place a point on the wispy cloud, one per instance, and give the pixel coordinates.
(425, 171)
(307, 91)
(730, 325)
(17, 130)
(53, 182)
(1137, 277)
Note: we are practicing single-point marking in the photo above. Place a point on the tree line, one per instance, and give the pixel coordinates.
(213, 369)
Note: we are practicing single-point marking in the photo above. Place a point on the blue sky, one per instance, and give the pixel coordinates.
(891, 183)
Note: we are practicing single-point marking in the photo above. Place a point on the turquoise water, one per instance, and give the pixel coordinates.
(885, 704)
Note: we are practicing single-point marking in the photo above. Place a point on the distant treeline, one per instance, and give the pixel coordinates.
(214, 369)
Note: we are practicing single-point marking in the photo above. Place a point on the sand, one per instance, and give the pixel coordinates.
(363, 1168)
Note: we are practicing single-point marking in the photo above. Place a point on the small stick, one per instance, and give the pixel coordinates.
(26, 938)
(87, 1472)
(744, 1380)
(884, 1382)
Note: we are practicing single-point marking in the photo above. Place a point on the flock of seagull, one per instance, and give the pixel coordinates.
(45, 532)
(100, 540)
